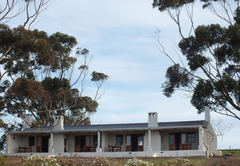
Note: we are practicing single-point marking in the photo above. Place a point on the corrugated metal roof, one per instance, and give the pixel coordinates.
(126, 126)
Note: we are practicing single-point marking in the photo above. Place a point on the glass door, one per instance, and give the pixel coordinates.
(128, 146)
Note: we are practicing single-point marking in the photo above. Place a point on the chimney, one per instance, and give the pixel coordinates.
(29, 119)
(58, 123)
(152, 119)
(207, 114)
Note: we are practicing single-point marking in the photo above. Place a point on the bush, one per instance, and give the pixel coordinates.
(177, 162)
(136, 162)
(40, 161)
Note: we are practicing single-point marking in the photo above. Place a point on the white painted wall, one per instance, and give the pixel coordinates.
(165, 137)
(156, 140)
(104, 141)
(15, 141)
(58, 142)
(71, 142)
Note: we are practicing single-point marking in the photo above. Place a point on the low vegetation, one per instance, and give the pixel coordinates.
(228, 156)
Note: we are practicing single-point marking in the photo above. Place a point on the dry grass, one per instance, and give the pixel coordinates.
(195, 161)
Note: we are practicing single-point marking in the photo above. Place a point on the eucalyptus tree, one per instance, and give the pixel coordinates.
(209, 63)
(39, 77)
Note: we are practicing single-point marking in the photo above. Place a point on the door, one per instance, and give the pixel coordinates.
(45, 143)
(77, 143)
(39, 144)
(175, 141)
(81, 142)
(134, 142)
(171, 141)
(128, 146)
(140, 142)
(42, 143)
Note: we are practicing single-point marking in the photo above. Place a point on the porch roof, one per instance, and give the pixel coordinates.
(117, 127)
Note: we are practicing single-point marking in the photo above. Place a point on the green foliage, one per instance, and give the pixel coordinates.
(137, 162)
(174, 4)
(177, 162)
(170, 4)
(176, 77)
(232, 152)
(212, 72)
(2, 160)
(38, 160)
(28, 55)
(96, 76)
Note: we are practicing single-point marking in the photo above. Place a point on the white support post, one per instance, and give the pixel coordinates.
(7, 144)
(149, 141)
(201, 136)
(51, 143)
(98, 149)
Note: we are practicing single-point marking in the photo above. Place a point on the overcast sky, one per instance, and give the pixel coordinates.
(119, 35)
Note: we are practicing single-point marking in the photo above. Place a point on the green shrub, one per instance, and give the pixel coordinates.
(2, 160)
(39, 161)
(177, 162)
(136, 162)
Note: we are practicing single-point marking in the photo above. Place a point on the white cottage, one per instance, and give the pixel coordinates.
(152, 139)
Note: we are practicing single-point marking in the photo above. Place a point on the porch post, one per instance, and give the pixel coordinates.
(51, 143)
(98, 149)
(201, 136)
(7, 143)
(149, 141)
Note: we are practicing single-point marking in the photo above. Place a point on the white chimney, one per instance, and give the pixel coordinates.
(152, 119)
(207, 114)
(29, 119)
(58, 123)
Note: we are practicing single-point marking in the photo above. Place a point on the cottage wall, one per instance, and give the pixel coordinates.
(71, 142)
(165, 140)
(58, 142)
(105, 141)
(15, 141)
(208, 138)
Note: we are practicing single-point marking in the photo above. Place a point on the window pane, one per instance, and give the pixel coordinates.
(65, 142)
(184, 138)
(39, 141)
(128, 139)
(87, 140)
(172, 139)
(31, 141)
(191, 137)
(119, 139)
(95, 140)
(77, 139)
(140, 140)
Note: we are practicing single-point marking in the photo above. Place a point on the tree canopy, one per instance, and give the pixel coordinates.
(212, 55)
(37, 77)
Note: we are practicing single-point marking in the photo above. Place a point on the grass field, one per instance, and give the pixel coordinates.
(232, 152)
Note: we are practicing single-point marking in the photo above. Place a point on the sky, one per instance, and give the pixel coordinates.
(119, 35)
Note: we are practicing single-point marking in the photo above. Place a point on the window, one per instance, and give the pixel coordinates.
(128, 140)
(31, 141)
(87, 141)
(65, 145)
(119, 139)
(95, 140)
(191, 137)
(140, 140)
(172, 139)
(183, 138)
(77, 141)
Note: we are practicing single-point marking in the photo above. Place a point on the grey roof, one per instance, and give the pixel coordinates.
(126, 126)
